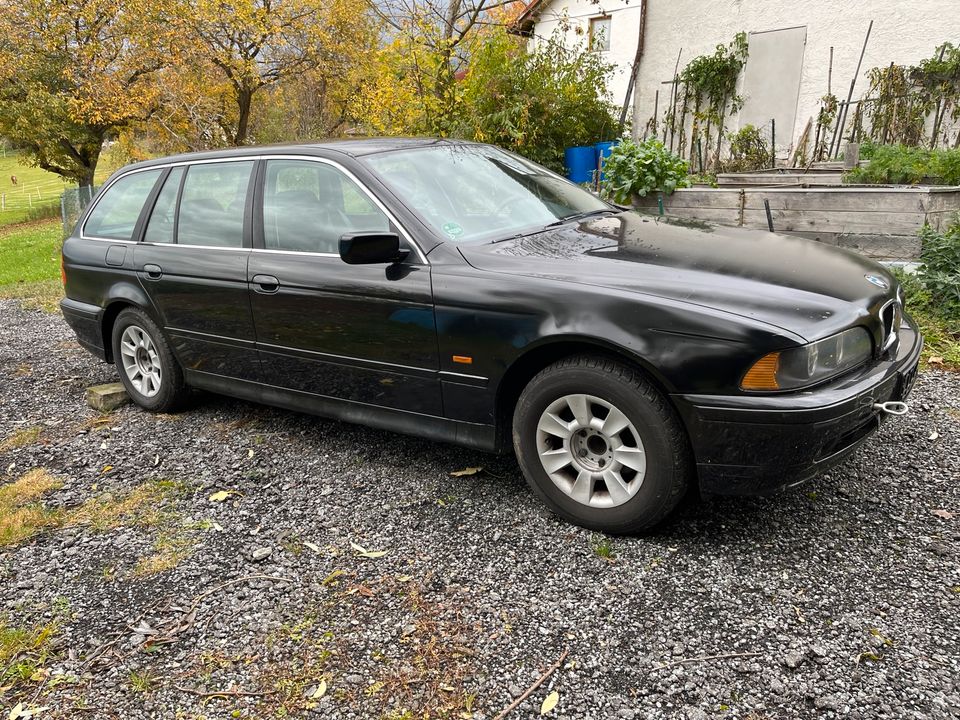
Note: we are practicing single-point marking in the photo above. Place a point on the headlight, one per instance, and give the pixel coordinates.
(810, 364)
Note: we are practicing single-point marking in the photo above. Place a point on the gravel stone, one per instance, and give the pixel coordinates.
(840, 598)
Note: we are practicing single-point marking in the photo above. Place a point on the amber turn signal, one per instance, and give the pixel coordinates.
(463, 359)
(63, 272)
(763, 374)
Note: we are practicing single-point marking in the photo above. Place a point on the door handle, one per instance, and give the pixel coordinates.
(154, 272)
(266, 284)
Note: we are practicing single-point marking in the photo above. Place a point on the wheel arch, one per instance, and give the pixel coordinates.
(119, 298)
(526, 366)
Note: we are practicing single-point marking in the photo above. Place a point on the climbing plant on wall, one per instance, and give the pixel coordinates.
(706, 90)
(912, 105)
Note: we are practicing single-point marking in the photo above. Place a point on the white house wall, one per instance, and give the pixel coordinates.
(572, 18)
(906, 31)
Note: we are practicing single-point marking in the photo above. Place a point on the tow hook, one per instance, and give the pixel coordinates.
(892, 408)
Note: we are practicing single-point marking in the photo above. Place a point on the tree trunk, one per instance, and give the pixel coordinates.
(244, 101)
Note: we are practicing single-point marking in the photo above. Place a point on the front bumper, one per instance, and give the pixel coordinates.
(746, 445)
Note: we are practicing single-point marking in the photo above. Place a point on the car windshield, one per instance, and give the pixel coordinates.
(477, 192)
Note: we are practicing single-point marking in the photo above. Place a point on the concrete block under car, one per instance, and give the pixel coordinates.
(107, 397)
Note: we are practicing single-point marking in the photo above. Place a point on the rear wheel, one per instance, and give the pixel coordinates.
(600, 445)
(149, 372)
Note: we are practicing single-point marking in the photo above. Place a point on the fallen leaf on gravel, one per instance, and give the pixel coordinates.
(466, 471)
(331, 577)
(222, 495)
(320, 691)
(107, 468)
(15, 713)
(934, 435)
(549, 702)
(404, 578)
(361, 589)
(363, 552)
(935, 360)
(250, 453)
(156, 460)
(312, 546)
(945, 514)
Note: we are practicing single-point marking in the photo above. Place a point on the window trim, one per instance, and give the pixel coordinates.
(148, 201)
(258, 189)
(258, 209)
(590, 35)
(152, 200)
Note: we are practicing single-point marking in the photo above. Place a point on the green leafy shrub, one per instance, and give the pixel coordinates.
(903, 165)
(534, 102)
(640, 168)
(932, 294)
(748, 150)
(940, 269)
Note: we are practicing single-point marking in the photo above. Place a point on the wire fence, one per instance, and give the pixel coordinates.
(73, 202)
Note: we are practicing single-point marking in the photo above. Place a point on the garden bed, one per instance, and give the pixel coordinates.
(880, 222)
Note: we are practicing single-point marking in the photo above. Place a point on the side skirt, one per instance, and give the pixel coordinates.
(471, 435)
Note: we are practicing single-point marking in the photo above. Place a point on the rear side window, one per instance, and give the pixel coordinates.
(308, 205)
(116, 213)
(212, 204)
(160, 224)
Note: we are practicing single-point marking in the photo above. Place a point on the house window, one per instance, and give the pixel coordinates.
(600, 33)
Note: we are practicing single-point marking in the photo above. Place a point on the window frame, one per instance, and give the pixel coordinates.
(607, 38)
(253, 202)
(247, 227)
(152, 201)
(258, 233)
(145, 209)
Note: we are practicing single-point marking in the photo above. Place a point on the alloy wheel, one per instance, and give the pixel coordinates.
(591, 451)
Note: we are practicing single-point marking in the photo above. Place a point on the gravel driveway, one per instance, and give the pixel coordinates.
(346, 574)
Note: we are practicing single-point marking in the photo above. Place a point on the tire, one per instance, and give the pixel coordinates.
(164, 391)
(650, 455)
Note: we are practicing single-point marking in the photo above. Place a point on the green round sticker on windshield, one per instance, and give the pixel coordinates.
(453, 230)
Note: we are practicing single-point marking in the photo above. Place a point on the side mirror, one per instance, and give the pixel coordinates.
(371, 248)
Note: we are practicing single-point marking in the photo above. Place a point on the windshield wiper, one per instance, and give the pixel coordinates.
(578, 216)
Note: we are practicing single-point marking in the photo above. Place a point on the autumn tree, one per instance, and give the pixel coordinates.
(74, 72)
(435, 36)
(234, 49)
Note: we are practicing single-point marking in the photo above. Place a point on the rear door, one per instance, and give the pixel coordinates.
(192, 261)
(362, 333)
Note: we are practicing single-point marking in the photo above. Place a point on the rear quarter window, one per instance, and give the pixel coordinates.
(115, 215)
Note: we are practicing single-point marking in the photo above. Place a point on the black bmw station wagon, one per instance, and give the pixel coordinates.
(458, 292)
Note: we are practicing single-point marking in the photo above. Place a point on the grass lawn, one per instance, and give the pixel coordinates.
(30, 263)
(36, 194)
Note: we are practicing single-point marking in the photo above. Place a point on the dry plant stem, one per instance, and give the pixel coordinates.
(200, 598)
(539, 681)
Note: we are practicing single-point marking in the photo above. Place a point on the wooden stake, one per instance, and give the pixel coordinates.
(853, 84)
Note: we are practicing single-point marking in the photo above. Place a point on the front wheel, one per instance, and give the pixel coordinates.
(149, 372)
(600, 445)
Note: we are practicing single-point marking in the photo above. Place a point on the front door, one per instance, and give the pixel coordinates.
(192, 262)
(361, 333)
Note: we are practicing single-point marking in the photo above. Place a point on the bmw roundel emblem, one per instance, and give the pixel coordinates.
(878, 281)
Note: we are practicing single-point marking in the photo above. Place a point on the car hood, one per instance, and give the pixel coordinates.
(802, 286)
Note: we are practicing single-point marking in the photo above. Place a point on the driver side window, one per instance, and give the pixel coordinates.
(308, 205)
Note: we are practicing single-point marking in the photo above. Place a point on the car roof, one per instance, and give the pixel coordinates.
(354, 147)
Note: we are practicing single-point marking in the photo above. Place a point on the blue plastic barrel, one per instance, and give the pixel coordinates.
(603, 151)
(580, 163)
